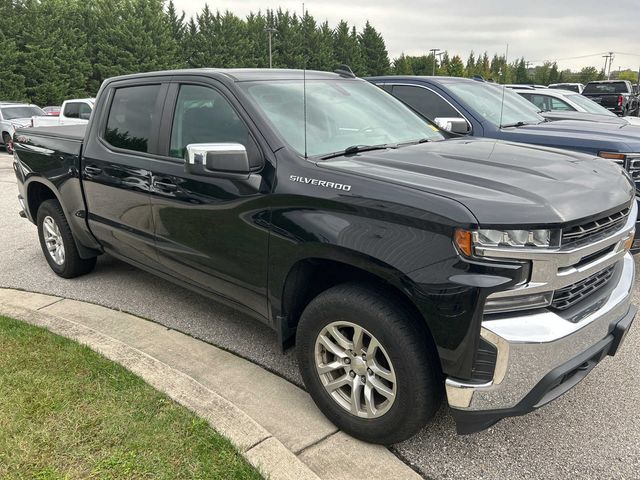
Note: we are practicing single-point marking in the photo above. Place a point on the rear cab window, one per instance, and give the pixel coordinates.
(131, 116)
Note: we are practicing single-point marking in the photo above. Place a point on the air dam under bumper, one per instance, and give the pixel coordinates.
(542, 355)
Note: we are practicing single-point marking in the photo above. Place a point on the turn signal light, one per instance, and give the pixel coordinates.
(628, 243)
(612, 155)
(462, 239)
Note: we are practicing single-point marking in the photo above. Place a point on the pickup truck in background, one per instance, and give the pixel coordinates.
(72, 112)
(476, 108)
(404, 263)
(617, 96)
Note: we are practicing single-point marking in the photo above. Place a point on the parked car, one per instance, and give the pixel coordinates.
(618, 96)
(14, 115)
(52, 111)
(572, 87)
(73, 112)
(480, 109)
(401, 261)
(550, 100)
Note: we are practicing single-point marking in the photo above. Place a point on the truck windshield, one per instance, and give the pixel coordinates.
(589, 105)
(610, 87)
(486, 100)
(9, 113)
(340, 114)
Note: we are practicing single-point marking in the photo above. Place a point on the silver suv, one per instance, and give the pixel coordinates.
(15, 115)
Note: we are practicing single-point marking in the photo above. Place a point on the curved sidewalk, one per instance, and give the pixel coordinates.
(272, 422)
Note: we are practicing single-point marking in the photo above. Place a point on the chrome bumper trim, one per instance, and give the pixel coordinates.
(531, 345)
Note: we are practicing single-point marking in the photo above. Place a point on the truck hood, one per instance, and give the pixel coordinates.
(501, 183)
(578, 135)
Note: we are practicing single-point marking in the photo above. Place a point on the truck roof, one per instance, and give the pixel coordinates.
(240, 74)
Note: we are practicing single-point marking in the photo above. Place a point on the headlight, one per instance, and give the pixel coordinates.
(628, 161)
(466, 241)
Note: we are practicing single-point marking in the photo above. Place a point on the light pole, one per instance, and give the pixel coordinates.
(270, 30)
(434, 52)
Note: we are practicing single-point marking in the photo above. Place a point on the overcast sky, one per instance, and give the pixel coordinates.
(536, 29)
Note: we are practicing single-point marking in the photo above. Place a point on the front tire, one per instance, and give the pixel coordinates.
(368, 363)
(8, 143)
(57, 242)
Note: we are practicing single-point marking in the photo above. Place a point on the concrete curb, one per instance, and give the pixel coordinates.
(273, 423)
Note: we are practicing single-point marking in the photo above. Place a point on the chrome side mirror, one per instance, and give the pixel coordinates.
(453, 124)
(213, 159)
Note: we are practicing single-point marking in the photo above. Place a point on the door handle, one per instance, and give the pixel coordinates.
(165, 186)
(92, 170)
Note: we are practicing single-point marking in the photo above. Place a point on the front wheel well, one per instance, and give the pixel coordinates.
(310, 277)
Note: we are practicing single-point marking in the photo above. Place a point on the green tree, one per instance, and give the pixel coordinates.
(54, 58)
(588, 74)
(374, 51)
(456, 67)
(471, 65)
(521, 74)
(554, 76)
(176, 23)
(402, 65)
(11, 80)
(346, 48)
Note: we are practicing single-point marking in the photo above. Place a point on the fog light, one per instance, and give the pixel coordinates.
(520, 302)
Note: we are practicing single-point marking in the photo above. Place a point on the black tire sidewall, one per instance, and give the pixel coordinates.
(418, 392)
(73, 265)
(6, 139)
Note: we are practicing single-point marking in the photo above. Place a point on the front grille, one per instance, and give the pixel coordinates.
(594, 230)
(568, 296)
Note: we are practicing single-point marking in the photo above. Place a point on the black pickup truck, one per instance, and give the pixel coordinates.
(616, 95)
(404, 264)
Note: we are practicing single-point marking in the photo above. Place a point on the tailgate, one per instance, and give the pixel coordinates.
(607, 100)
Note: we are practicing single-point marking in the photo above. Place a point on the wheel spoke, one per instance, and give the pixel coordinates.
(332, 347)
(49, 230)
(357, 339)
(356, 394)
(338, 382)
(369, 400)
(381, 388)
(340, 338)
(371, 349)
(380, 371)
(329, 367)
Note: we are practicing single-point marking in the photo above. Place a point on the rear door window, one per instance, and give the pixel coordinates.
(131, 116)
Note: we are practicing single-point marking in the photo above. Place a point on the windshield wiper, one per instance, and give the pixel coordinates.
(357, 149)
(413, 142)
(516, 124)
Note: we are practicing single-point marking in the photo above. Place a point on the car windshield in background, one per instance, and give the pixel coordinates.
(9, 113)
(613, 87)
(487, 100)
(340, 114)
(589, 105)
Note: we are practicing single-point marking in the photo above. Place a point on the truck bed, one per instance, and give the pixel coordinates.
(68, 132)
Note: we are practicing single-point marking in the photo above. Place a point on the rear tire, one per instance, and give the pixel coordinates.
(8, 143)
(387, 393)
(57, 242)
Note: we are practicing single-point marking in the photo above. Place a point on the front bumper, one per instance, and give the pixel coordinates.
(543, 354)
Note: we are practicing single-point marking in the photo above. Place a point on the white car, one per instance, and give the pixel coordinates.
(572, 87)
(15, 115)
(554, 100)
(73, 112)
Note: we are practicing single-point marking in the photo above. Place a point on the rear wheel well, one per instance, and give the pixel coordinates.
(36, 194)
(308, 278)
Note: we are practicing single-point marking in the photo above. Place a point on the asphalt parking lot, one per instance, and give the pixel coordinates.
(591, 432)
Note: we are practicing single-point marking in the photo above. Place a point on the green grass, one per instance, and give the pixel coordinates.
(66, 412)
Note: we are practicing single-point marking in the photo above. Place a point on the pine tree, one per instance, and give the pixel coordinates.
(471, 65)
(521, 74)
(176, 23)
(442, 67)
(11, 81)
(346, 48)
(374, 51)
(54, 56)
(554, 76)
(402, 65)
(456, 67)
